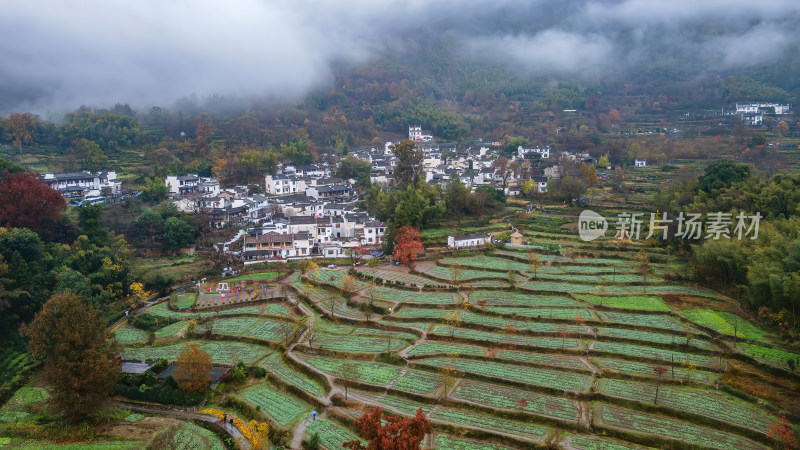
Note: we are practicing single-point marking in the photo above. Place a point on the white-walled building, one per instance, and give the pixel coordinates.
(283, 184)
(467, 240)
(83, 184)
(640, 163)
(417, 134)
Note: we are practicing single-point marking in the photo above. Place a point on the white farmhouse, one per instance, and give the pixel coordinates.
(640, 163)
(467, 240)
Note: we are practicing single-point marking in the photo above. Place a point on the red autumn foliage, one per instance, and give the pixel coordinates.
(399, 433)
(781, 432)
(30, 203)
(407, 244)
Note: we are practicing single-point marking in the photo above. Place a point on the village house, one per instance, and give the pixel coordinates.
(83, 184)
(283, 184)
(276, 246)
(467, 240)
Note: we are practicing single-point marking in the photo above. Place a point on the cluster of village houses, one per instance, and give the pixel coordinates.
(306, 211)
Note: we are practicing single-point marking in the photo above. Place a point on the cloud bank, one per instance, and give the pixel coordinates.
(59, 55)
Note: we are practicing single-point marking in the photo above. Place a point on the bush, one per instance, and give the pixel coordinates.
(257, 372)
(313, 440)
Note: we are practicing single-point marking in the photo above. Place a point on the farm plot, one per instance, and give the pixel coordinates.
(281, 407)
(233, 326)
(161, 310)
(543, 313)
(638, 422)
(496, 396)
(332, 328)
(658, 354)
(401, 296)
(571, 362)
(776, 357)
(331, 434)
(403, 405)
(16, 409)
(316, 294)
(678, 371)
(506, 338)
(434, 347)
(571, 287)
(191, 436)
(270, 330)
(128, 334)
(550, 378)
(334, 278)
(653, 337)
(400, 275)
(223, 352)
(486, 262)
(575, 442)
(275, 364)
(672, 289)
(358, 344)
(714, 404)
(276, 309)
(523, 325)
(491, 423)
(368, 371)
(419, 382)
(254, 277)
(338, 306)
(639, 302)
(595, 279)
(446, 274)
(423, 326)
(726, 323)
(520, 299)
(423, 313)
(455, 443)
(173, 330)
(487, 284)
(185, 300)
(644, 320)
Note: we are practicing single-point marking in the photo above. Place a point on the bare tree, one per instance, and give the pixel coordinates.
(349, 372)
(659, 371)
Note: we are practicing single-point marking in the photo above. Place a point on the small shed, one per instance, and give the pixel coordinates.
(516, 238)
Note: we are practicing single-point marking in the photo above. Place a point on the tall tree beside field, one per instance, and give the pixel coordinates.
(79, 363)
(29, 203)
(193, 368)
(21, 129)
(391, 433)
(408, 243)
(409, 163)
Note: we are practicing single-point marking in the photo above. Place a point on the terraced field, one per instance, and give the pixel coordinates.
(531, 363)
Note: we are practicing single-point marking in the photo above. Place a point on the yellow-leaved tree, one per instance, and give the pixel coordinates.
(193, 368)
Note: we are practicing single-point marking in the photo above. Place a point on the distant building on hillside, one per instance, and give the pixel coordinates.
(417, 134)
(83, 184)
(467, 240)
(640, 163)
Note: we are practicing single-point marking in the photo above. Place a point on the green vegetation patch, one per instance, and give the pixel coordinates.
(331, 434)
(645, 320)
(128, 334)
(654, 353)
(678, 371)
(254, 276)
(224, 352)
(544, 313)
(497, 396)
(520, 299)
(357, 343)
(492, 423)
(725, 322)
(506, 338)
(172, 329)
(368, 371)
(433, 347)
(16, 408)
(162, 310)
(640, 302)
(486, 262)
(639, 422)
(402, 296)
(281, 407)
(650, 336)
(715, 404)
(419, 382)
(191, 437)
(594, 443)
(774, 356)
(550, 378)
(275, 364)
(454, 443)
(548, 359)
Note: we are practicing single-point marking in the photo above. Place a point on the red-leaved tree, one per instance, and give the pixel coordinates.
(30, 203)
(781, 432)
(407, 244)
(398, 433)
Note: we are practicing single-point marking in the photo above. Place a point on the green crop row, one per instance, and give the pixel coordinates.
(281, 407)
(431, 347)
(640, 302)
(726, 323)
(221, 352)
(654, 353)
(496, 396)
(520, 299)
(572, 362)
(639, 422)
(274, 363)
(645, 320)
(556, 379)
